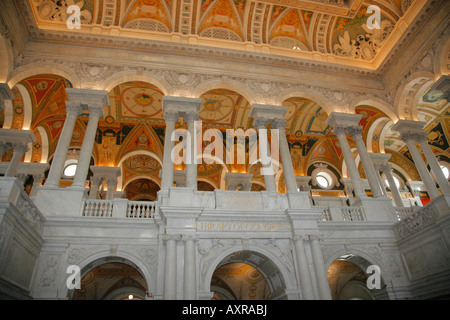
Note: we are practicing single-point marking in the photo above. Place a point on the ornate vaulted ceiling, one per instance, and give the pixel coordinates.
(336, 28)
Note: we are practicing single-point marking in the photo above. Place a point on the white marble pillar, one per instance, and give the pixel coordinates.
(59, 157)
(170, 268)
(191, 165)
(319, 268)
(190, 273)
(356, 133)
(410, 140)
(37, 182)
(434, 164)
(269, 179)
(168, 170)
(286, 160)
(387, 170)
(19, 151)
(111, 183)
(84, 160)
(95, 185)
(303, 266)
(358, 188)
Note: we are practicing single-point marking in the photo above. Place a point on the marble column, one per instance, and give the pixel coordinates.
(59, 157)
(410, 132)
(319, 268)
(303, 266)
(37, 182)
(356, 133)
(410, 140)
(170, 268)
(168, 170)
(191, 165)
(269, 179)
(286, 160)
(190, 272)
(434, 164)
(84, 160)
(387, 170)
(111, 184)
(353, 172)
(19, 151)
(5, 94)
(95, 185)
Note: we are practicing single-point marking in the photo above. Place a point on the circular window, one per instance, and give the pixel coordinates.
(70, 170)
(445, 171)
(324, 180)
(397, 183)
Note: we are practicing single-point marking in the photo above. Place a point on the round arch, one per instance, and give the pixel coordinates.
(374, 102)
(128, 76)
(37, 68)
(363, 261)
(311, 95)
(105, 256)
(6, 58)
(410, 92)
(232, 85)
(441, 63)
(279, 279)
(134, 153)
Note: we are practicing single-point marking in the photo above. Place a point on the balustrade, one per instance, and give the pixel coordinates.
(105, 209)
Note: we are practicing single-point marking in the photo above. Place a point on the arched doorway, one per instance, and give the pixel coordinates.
(347, 277)
(247, 275)
(111, 278)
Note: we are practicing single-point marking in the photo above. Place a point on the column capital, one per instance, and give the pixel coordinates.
(339, 119)
(96, 111)
(21, 147)
(73, 108)
(354, 131)
(170, 116)
(191, 115)
(339, 130)
(414, 136)
(260, 123)
(279, 124)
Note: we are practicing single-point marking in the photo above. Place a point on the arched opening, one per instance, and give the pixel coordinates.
(111, 278)
(348, 277)
(141, 189)
(247, 275)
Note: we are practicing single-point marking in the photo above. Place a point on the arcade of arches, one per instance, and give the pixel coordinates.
(358, 117)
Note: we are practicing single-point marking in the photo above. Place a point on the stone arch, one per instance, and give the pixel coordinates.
(228, 84)
(282, 280)
(309, 94)
(105, 256)
(127, 76)
(410, 92)
(6, 58)
(134, 153)
(381, 105)
(441, 63)
(362, 259)
(37, 68)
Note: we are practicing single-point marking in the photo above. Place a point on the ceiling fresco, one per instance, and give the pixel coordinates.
(337, 28)
(131, 131)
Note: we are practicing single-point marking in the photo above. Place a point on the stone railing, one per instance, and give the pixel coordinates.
(332, 213)
(405, 212)
(118, 208)
(413, 221)
(141, 209)
(12, 192)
